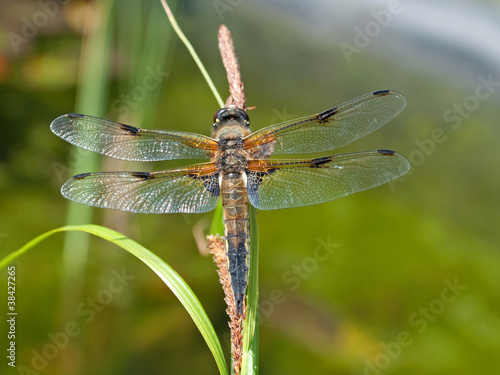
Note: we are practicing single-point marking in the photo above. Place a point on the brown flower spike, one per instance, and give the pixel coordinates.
(230, 61)
(218, 250)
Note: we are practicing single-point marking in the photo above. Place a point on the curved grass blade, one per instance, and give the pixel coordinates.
(191, 50)
(178, 286)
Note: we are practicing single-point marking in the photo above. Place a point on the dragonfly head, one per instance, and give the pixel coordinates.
(231, 118)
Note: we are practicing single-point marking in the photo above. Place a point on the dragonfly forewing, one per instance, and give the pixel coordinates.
(329, 129)
(127, 142)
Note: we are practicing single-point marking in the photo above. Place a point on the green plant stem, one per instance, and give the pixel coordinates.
(193, 53)
(251, 330)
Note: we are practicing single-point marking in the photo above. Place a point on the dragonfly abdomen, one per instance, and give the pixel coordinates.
(236, 232)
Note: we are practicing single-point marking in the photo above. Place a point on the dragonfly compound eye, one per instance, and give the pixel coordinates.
(231, 116)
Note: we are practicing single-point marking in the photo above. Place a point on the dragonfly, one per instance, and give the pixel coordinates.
(240, 168)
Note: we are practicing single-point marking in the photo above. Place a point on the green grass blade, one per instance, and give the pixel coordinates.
(193, 53)
(178, 286)
(251, 331)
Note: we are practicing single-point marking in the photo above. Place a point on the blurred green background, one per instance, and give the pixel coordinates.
(401, 279)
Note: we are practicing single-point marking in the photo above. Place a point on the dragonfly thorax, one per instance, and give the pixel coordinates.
(231, 156)
(232, 162)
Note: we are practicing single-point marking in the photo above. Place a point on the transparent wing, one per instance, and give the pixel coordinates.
(277, 184)
(192, 189)
(130, 143)
(328, 130)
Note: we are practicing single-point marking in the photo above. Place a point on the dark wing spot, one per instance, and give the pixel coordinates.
(142, 175)
(130, 129)
(81, 176)
(271, 171)
(255, 178)
(381, 93)
(318, 162)
(74, 115)
(210, 181)
(386, 152)
(325, 115)
(260, 175)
